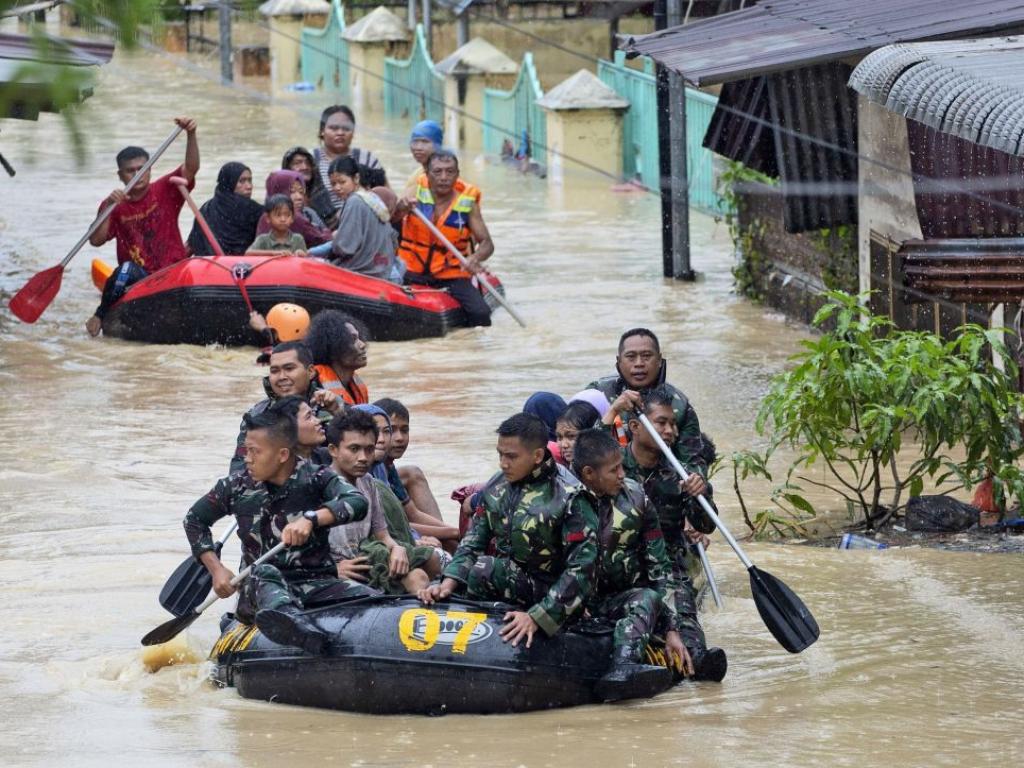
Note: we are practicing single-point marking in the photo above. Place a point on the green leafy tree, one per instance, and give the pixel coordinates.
(864, 391)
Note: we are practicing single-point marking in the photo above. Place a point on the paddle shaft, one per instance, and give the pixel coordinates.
(710, 574)
(703, 502)
(105, 213)
(242, 576)
(183, 188)
(465, 265)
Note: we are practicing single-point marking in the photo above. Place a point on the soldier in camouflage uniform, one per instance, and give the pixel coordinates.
(283, 499)
(545, 534)
(291, 373)
(632, 568)
(682, 519)
(640, 367)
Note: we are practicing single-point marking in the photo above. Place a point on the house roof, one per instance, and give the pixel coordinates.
(295, 8)
(378, 26)
(973, 89)
(78, 53)
(28, 69)
(477, 57)
(776, 35)
(582, 91)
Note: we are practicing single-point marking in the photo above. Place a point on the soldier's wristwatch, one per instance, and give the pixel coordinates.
(310, 514)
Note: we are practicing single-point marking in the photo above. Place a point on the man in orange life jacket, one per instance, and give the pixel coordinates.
(338, 343)
(454, 208)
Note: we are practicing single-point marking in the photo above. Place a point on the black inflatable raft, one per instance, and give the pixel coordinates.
(393, 655)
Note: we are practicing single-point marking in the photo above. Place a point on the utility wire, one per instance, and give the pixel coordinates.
(931, 182)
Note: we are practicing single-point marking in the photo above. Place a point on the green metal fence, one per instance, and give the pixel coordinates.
(324, 54)
(507, 114)
(640, 124)
(700, 171)
(640, 130)
(412, 88)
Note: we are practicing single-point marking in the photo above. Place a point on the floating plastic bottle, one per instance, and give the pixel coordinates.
(854, 541)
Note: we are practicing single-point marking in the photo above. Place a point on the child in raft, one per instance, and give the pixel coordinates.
(280, 214)
(365, 240)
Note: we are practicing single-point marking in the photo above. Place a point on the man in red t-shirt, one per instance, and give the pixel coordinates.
(145, 221)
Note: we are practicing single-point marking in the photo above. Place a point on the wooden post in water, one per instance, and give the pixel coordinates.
(226, 74)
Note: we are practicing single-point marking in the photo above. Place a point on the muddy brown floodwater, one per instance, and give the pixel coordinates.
(105, 444)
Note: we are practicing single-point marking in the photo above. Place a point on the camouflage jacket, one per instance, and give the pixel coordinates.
(263, 510)
(547, 527)
(672, 503)
(689, 446)
(631, 547)
(238, 460)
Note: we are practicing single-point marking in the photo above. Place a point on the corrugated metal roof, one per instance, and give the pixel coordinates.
(976, 270)
(973, 89)
(963, 189)
(799, 126)
(59, 51)
(775, 35)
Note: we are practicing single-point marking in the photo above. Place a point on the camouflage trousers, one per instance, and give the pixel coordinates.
(685, 599)
(635, 613)
(267, 587)
(499, 578)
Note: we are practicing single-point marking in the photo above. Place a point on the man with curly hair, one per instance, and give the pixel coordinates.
(338, 344)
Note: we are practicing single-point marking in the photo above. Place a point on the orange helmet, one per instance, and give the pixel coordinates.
(289, 320)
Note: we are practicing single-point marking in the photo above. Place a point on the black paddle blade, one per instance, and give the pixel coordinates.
(785, 614)
(170, 629)
(186, 589)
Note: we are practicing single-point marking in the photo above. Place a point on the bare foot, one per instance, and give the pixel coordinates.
(94, 325)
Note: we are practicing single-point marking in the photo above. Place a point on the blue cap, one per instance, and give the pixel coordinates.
(429, 130)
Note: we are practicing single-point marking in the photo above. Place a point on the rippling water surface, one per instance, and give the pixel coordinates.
(106, 444)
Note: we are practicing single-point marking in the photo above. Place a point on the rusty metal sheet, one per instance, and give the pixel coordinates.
(962, 189)
(989, 270)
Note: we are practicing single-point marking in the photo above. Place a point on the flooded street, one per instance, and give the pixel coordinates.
(106, 444)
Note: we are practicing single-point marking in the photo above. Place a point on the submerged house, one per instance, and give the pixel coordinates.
(786, 111)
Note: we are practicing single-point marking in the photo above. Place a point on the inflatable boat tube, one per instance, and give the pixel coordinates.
(198, 301)
(394, 655)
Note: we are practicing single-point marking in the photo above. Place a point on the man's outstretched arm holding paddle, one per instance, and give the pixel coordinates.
(143, 218)
(129, 167)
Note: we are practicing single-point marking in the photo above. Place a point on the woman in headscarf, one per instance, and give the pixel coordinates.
(232, 213)
(301, 160)
(547, 406)
(306, 221)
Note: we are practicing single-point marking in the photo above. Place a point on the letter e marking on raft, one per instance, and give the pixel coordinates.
(420, 629)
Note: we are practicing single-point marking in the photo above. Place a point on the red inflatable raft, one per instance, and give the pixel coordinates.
(198, 300)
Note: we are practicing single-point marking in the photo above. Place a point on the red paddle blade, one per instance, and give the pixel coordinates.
(32, 300)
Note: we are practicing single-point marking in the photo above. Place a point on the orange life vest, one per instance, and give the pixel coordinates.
(355, 393)
(422, 253)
